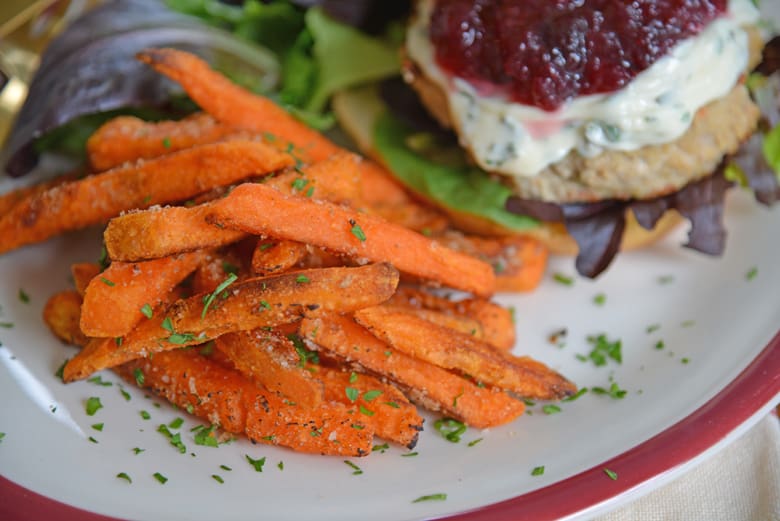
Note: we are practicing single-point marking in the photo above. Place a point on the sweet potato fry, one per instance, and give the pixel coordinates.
(411, 215)
(269, 359)
(237, 107)
(450, 349)
(496, 323)
(160, 232)
(119, 297)
(519, 261)
(127, 138)
(215, 268)
(10, 199)
(61, 313)
(376, 403)
(335, 179)
(247, 305)
(261, 210)
(461, 323)
(95, 199)
(276, 256)
(224, 397)
(432, 386)
(83, 273)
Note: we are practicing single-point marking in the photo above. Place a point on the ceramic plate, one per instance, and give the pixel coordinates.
(700, 364)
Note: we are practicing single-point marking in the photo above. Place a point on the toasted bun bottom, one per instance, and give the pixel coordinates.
(357, 112)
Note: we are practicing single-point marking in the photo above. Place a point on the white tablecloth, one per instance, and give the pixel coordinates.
(739, 483)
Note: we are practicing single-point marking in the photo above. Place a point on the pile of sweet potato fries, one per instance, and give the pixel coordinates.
(274, 284)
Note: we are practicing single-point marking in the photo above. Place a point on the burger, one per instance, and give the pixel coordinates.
(592, 125)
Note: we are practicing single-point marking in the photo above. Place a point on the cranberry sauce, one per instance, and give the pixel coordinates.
(545, 52)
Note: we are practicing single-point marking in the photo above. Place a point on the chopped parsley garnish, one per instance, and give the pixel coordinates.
(229, 268)
(381, 448)
(205, 437)
(97, 380)
(302, 279)
(355, 469)
(652, 328)
(600, 299)
(97, 426)
(393, 405)
(123, 475)
(2, 435)
(538, 471)
(430, 497)
(159, 477)
(107, 282)
(614, 391)
(145, 415)
(174, 439)
(225, 467)
(474, 442)
(103, 261)
(299, 184)
(551, 409)
(138, 450)
(450, 428)
(660, 344)
(280, 465)
(566, 280)
(409, 454)
(208, 300)
(166, 142)
(751, 273)
(167, 324)
(125, 394)
(603, 349)
(611, 473)
(139, 376)
(175, 424)
(61, 368)
(93, 440)
(684, 360)
(23, 296)
(7, 325)
(304, 354)
(357, 231)
(93, 405)
(365, 411)
(256, 463)
(576, 395)
(146, 310)
(180, 338)
(218, 478)
(371, 395)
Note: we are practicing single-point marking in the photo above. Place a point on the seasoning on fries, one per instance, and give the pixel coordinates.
(282, 253)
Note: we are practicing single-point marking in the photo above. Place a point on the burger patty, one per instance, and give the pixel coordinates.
(651, 171)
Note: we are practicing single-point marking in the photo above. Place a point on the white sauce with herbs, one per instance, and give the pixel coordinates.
(656, 107)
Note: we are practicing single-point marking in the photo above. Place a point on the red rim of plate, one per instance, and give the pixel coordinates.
(754, 388)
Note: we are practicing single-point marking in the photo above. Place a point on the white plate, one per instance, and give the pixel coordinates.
(709, 312)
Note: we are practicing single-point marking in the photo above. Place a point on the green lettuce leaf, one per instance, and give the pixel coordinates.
(771, 148)
(462, 188)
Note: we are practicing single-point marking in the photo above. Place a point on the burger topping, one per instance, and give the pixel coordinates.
(534, 96)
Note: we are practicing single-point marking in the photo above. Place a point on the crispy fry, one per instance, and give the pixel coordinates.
(127, 138)
(10, 199)
(83, 273)
(450, 349)
(461, 323)
(224, 397)
(432, 386)
(376, 403)
(61, 313)
(116, 299)
(160, 232)
(253, 303)
(270, 360)
(335, 179)
(235, 106)
(519, 261)
(276, 256)
(412, 215)
(95, 199)
(261, 210)
(496, 323)
(215, 268)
